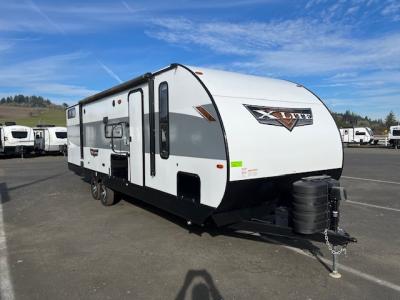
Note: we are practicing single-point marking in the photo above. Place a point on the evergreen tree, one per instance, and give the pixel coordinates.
(390, 119)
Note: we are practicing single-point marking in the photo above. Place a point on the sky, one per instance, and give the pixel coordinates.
(347, 52)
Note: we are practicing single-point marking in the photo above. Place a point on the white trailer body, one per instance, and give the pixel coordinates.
(357, 135)
(16, 139)
(199, 142)
(50, 138)
(394, 136)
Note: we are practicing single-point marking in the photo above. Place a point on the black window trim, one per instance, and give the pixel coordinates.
(113, 126)
(71, 113)
(61, 133)
(19, 134)
(162, 153)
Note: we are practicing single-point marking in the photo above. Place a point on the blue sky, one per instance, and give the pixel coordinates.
(348, 52)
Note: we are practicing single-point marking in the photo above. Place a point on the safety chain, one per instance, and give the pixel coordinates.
(330, 246)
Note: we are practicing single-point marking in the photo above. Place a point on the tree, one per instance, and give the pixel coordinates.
(390, 119)
(364, 123)
(65, 105)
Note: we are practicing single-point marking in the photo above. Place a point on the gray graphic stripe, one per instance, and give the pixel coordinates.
(190, 136)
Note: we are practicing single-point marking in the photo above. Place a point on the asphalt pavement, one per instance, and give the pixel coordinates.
(58, 243)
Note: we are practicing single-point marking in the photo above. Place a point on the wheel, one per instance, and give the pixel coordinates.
(95, 188)
(107, 196)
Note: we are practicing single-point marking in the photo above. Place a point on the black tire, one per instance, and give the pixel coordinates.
(95, 188)
(107, 196)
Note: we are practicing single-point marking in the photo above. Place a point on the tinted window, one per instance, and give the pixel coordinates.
(71, 113)
(360, 133)
(163, 119)
(61, 135)
(19, 134)
(396, 132)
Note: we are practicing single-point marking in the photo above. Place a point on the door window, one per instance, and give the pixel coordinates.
(163, 119)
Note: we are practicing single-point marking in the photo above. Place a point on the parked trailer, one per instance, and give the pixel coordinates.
(394, 136)
(213, 146)
(15, 139)
(357, 135)
(49, 138)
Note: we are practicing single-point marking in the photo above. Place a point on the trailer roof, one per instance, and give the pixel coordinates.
(235, 85)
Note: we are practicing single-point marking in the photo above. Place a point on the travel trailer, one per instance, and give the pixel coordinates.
(49, 138)
(239, 151)
(394, 136)
(357, 135)
(15, 139)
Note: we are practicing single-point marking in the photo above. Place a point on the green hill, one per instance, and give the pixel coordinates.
(29, 116)
(31, 110)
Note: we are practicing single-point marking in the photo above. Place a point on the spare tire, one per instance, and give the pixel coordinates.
(310, 212)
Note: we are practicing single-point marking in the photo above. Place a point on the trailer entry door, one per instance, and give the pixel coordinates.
(135, 99)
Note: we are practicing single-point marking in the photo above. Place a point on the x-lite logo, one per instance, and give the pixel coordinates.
(281, 116)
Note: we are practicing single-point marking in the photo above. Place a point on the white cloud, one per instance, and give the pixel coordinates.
(392, 9)
(46, 17)
(46, 76)
(78, 18)
(293, 47)
(62, 18)
(5, 45)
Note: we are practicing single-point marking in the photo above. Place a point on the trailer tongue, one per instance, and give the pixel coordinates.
(313, 215)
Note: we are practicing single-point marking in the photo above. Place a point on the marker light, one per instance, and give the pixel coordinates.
(220, 166)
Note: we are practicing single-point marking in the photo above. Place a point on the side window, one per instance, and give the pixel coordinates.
(163, 119)
(71, 113)
(113, 131)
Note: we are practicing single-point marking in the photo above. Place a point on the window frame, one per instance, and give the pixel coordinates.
(19, 134)
(164, 153)
(61, 133)
(113, 126)
(71, 113)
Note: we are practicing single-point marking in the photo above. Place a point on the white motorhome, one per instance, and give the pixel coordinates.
(357, 135)
(15, 139)
(50, 138)
(394, 136)
(213, 146)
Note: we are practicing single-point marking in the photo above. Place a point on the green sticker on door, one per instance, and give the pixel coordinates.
(236, 164)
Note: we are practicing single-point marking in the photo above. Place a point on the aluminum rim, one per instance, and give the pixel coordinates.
(94, 188)
(103, 193)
